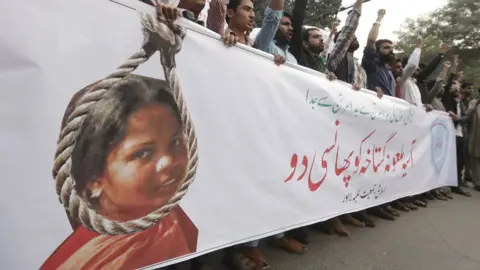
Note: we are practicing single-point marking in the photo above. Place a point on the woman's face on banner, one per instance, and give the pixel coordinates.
(144, 169)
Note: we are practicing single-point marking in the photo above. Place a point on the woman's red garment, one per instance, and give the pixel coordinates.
(175, 235)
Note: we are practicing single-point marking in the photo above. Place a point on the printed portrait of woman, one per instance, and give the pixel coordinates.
(129, 159)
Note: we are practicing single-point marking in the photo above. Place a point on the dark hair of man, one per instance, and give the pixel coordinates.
(379, 43)
(306, 33)
(106, 123)
(422, 65)
(279, 36)
(233, 5)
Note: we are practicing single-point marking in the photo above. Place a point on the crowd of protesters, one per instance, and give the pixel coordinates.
(284, 35)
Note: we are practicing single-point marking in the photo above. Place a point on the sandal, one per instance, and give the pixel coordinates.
(256, 256)
(365, 218)
(446, 194)
(419, 203)
(349, 219)
(439, 196)
(299, 234)
(399, 206)
(237, 261)
(411, 206)
(288, 244)
(338, 227)
(392, 211)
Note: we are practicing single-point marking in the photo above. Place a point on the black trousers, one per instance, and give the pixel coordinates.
(460, 157)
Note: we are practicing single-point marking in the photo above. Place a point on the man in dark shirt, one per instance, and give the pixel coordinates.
(375, 62)
(425, 71)
(307, 44)
(376, 56)
(341, 60)
(345, 71)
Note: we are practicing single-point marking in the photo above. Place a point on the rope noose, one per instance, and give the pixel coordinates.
(158, 36)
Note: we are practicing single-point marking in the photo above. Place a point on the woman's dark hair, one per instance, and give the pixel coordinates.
(106, 123)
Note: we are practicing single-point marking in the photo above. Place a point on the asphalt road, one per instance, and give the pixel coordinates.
(443, 236)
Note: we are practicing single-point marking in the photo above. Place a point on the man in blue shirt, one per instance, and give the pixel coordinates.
(275, 34)
(376, 56)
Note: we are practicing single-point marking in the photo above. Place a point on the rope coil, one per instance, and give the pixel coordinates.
(159, 35)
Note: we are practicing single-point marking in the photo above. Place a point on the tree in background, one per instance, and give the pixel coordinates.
(457, 23)
(320, 13)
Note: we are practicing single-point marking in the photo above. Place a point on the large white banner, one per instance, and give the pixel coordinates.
(260, 148)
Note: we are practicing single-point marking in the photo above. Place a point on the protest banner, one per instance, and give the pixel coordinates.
(199, 148)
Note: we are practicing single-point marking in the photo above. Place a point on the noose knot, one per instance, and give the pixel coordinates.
(163, 36)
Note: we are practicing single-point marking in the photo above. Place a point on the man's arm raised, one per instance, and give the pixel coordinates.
(272, 16)
(437, 87)
(298, 15)
(448, 98)
(432, 66)
(345, 37)
(369, 53)
(413, 62)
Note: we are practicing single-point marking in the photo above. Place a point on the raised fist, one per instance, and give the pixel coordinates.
(419, 40)
(381, 13)
(447, 64)
(444, 48)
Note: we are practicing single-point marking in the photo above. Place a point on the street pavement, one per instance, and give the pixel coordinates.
(443, 236)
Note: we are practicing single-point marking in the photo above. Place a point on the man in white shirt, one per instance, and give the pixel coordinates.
(407, 88)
